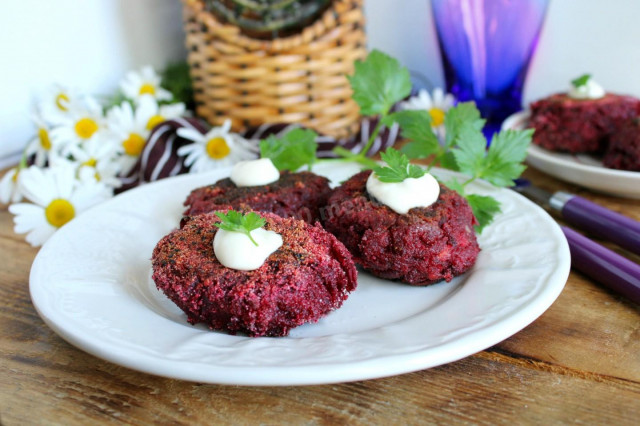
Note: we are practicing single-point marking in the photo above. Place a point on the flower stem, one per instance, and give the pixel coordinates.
(23, 160)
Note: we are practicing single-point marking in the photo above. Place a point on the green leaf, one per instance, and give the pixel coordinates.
(235, 221)
(177, 80)
(581, 81)
(508, 150)
(398, 167)
(379, 82)
(448, 161)
(463, 113)
(456, 186)
(293, 150)
(485, 208)
(470, 150)
(415, 125)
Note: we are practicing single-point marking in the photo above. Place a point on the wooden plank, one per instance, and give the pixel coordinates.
(588, 328)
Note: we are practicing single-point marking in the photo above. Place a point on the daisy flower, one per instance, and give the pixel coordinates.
(41, 145)
(10, 187)
(129, 129)
(165, 112)
(84, 121)
(96, 160)
(56, 103)
(217, 148)
(57, 196)
(437, 105)
(145, 82)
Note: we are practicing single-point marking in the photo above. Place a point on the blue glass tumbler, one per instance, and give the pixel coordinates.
(486, 47)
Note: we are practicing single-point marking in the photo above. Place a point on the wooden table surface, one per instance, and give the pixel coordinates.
(579, 362)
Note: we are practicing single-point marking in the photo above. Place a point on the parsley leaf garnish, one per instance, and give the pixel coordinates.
(398, 167)
(415, 125)
(501, 164)
(465, 113)
(484, 207)
(235, 221)
(379, 82)
(581, 81)
(424, 143)
(465, 150)
(292, 150)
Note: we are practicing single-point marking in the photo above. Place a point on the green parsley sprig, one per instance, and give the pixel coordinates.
(377, 83)
(398, 168)
(235, 221)
(292, 150)
(581, 81)
(465, 150)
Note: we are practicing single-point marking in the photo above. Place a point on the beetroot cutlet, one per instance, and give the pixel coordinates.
(623, 152)
(565, 124)
(310, 275)
(422, 247)
(299, 195)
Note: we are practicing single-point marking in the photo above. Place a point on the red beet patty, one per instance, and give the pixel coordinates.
(310, 275)
(579, 125)
(422, 247)
(623, 151)
(299, 195)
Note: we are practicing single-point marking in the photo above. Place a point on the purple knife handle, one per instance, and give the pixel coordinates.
(603, 265)
(603, 223)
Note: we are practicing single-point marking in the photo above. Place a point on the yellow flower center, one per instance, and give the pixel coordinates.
(154, 121)
(133, 145)
(14, 178)
(45, 142)
(86, 127)
(147, 89)
(59, 212)
(217, 148)
(437, 117)
(91, 162)
(61, 101)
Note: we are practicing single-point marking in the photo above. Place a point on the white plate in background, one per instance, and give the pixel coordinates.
(581, 169)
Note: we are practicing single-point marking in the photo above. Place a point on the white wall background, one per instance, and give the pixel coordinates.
(91, 44)
(88, 45)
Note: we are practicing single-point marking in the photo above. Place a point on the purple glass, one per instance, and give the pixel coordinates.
(486, 47)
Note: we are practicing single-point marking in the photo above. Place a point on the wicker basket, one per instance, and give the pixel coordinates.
(297, 79)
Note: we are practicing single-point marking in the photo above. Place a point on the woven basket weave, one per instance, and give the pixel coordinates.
(297, 79)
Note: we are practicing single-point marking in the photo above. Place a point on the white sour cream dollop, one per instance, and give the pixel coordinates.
(254, 173)
(590, 90)
(403, 196)
(236, 251)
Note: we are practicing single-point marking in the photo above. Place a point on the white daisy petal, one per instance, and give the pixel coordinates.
(26, 215)
(163, 94)
(147, 107)
(89, 194)
(171, 111)
(191, 134)
(40, 235)
(35, 186)
(438, 96)
(9, 187)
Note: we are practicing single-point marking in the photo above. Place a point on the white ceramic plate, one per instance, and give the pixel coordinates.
(581, 169)
(91, 284)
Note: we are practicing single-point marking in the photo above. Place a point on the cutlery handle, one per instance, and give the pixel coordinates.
(603, 223)
(604, 265)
